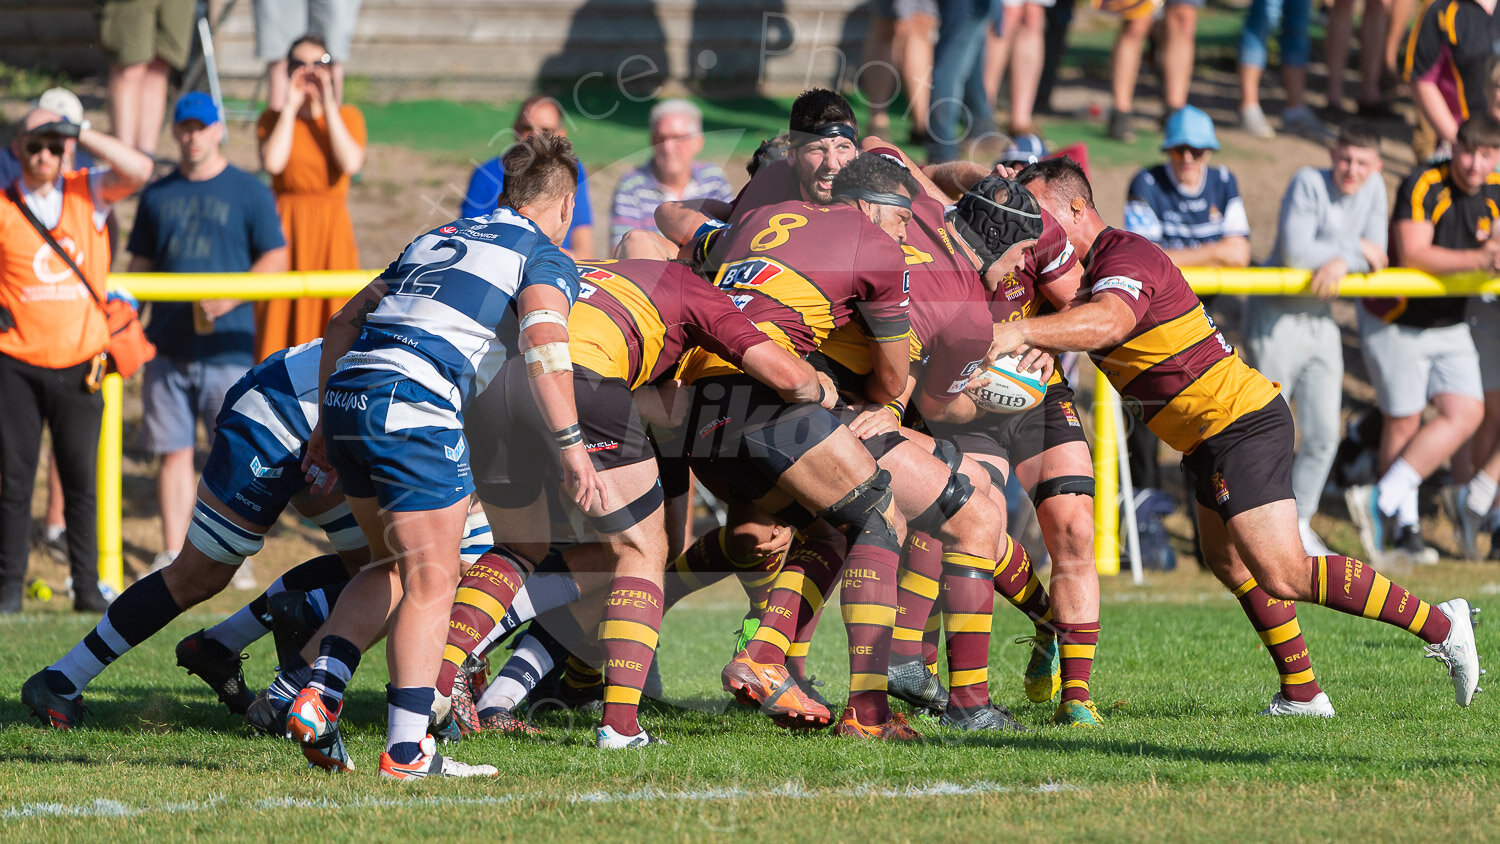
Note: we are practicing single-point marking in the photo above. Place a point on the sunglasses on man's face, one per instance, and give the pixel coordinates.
(1190, 152)
(56, 146)
(294, 65)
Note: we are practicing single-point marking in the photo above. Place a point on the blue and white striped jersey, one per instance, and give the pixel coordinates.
(1170, 216)
(447, 321)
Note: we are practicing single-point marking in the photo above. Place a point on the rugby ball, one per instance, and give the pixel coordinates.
(1002, 388)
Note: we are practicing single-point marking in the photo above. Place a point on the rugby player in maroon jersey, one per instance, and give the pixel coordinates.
(1151, 336)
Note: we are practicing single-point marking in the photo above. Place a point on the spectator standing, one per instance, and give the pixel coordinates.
(1194, 212)
(52, 331)
(279, 23)
(146, 40)
(1333, 221)
(539, 114)
(1179, 28)
(1293, 17)
(901, 33)
(311, 149)
(960, 105)
(673, 173)
(1420, 351)
(205, 217)
(1448, 59)
(1016, 45)
(1374, 21)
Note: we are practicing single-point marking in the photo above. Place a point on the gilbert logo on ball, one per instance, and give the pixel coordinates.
(1002, 388)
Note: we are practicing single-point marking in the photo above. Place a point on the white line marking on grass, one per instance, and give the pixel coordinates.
(791, 791)
(1490, 589)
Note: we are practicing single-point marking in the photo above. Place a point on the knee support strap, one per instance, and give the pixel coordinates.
(631, 514)
(1063, 485)
(952, 499)
(220, 539)
(861, 513)
(947, 452)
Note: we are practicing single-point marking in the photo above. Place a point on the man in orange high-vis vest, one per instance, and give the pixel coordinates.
(51, 329)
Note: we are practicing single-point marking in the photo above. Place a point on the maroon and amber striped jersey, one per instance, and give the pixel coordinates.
(635, 319)
(950, 326)
(799, 271)
(1174, 369)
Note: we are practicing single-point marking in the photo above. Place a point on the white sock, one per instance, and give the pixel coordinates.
(52, 532)
(1398, 481)
(403, 725)
(1406, 514)
(239, 630)
(1482, 490)
(526, 667)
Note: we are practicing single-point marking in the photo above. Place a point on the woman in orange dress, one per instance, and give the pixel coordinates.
(310, 148)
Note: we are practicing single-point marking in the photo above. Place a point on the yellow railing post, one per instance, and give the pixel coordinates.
(111, 440)
(1106, 477)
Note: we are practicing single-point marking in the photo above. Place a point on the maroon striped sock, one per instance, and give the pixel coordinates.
(628, 634)
(869, 610)
(1276, 623)
(968, 604)
(1076, 642)
(916, 594)
(796, 598)
(484, 595)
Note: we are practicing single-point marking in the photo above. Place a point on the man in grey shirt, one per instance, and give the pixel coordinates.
(1333, 222)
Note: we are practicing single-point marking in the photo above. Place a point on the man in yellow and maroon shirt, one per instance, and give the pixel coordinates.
(1175, 371)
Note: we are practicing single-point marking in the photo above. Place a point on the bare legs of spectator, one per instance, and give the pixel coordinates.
(138, 102)
(1018, 47)
(878, 78)
(1395, 28)
(176, 493)
(1124, 68)
(1180, 29)
(1372, 30)
(913, 53)
(53, 524)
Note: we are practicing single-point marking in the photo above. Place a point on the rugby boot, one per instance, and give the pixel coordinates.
(770, 688)
(430, 763)
(1457, 652)
(1319, 707)
(1077, 713)
(909, 679)
(896, 729)
(217, 666)
(1043, 676)
(50, 708)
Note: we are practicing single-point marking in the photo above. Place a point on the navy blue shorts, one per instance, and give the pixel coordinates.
(255, 464)
(396, 441)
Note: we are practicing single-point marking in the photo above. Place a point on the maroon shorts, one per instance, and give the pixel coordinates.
(1247, 464)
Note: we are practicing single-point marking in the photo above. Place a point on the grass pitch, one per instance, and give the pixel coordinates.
(1182, 755)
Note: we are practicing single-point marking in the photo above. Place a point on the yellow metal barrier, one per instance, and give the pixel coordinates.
(1106, 476)
(337, 284)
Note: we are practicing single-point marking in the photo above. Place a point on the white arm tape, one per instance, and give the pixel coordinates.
(541, 315)
(548, 357)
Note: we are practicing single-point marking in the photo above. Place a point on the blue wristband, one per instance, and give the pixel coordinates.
(711, 225)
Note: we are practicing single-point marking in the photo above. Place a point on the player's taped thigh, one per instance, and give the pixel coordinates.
(956, 493)
(861, 514)
(1063, 485)
(220, 539)
(632, 514)
(796, 515)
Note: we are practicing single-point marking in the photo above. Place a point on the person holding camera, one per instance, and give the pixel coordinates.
(54, 265)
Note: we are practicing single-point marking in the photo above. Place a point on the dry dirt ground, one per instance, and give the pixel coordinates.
(403, 191)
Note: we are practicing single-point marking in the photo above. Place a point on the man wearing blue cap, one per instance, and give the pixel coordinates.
(206, 216)
(1194, 212)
